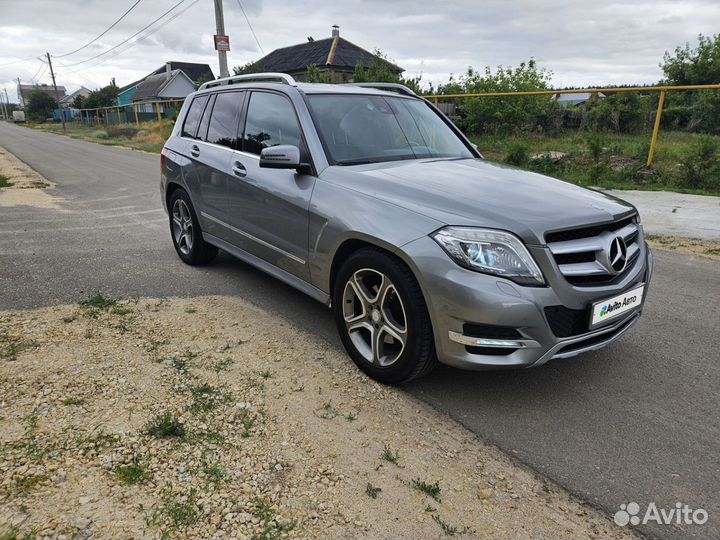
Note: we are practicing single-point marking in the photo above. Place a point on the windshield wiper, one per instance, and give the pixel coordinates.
(363, 161)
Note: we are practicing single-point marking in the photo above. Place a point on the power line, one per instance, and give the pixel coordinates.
(101, 35)
(21, 60)
(38, 77)
(141, 38)
(34, 77)
(128, 39)
(250, 25)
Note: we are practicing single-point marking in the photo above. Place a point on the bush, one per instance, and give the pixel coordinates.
(100, 134)
(122, 131)
(517, 154)
(677, 117)
(39, 106)
(598, 163)
(700, 169)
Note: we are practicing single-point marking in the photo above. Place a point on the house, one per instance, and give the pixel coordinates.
(69, 99)
(335, 56)
(24, 91)
(172, 84)
(573, 100)
(197, 73)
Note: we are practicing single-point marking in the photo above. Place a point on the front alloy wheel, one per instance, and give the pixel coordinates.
(382, 318)
(375, 317)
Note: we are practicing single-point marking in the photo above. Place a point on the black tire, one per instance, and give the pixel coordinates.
(197, 251)
(418, 356)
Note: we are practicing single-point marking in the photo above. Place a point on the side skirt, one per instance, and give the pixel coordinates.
(274, 271)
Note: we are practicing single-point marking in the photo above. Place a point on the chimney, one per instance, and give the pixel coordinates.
(335, 30)
(168, 69)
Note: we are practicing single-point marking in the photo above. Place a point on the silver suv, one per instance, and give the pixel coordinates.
(370, 200)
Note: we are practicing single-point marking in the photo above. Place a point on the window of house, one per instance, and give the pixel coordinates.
(270, 121)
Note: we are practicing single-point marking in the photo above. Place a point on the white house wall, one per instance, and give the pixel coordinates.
(178, 88)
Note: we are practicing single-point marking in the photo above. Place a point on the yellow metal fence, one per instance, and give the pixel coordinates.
(137, 113)
(594, 91)
(167, 110)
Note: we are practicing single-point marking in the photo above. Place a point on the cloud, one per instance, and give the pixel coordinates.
(581, 42)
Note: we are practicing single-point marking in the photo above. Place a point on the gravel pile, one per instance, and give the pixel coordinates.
(209, 417)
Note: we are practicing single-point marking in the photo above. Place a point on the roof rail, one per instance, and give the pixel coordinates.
(276, 77)
(380, 85)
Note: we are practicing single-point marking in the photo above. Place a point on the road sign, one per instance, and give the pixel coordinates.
(222, 43)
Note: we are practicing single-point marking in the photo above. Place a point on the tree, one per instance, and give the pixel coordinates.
(314, 75)
(697, 110)
(39, 106)
(78, 101)
(501, 114)
(699, 65)
(102, 97)
(381, 70)
(250, 67)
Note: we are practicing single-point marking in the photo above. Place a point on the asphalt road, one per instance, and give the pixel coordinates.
(638, 421)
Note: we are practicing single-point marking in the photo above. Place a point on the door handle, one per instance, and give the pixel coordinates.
(239, 169)
(195, 150)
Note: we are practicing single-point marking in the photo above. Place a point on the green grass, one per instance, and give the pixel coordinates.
(627, 154)
(432, 490)
(151, 139)
(165, 426)
(175, 513)
(271, 527)
(5, 181)
(390, 455)
(72, 401)
(207, 398)
(135, 473)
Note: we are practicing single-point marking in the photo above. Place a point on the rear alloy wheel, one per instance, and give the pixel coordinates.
(185, 230)
(382, 318)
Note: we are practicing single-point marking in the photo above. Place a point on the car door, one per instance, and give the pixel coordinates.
(268, 208)
(211, 151)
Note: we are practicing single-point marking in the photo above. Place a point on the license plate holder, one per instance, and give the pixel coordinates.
(611, 308)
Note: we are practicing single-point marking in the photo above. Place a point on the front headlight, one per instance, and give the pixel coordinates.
(491, 252)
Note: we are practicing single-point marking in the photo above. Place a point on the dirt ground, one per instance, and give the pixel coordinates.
(687, 246)
(209, 417)
(26, 186)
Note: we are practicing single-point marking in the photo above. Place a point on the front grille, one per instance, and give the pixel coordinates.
(489, 351)
(587, 232)
(583, 254)
(565, 322)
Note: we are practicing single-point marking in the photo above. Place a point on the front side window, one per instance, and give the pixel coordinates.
(370, 129)
(223, 127)
(270, 121)
(192, 118)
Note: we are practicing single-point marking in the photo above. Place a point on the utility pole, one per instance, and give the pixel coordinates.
(4, 108)
(57, 96)
(220, 31)
(7, 100)
(20, 96)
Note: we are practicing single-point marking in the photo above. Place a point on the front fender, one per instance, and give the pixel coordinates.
(339, 214)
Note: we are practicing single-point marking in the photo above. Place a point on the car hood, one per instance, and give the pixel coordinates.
(479, 193)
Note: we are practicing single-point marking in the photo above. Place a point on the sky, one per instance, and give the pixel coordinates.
(583, 43)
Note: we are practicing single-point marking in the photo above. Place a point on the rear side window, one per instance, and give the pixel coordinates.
(223, 128)
(202, 130)
(270, 121)
(192, 118)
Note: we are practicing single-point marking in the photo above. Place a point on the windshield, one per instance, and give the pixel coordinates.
(368, 129)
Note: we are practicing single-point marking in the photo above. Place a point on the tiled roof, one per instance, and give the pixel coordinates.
(321, 53)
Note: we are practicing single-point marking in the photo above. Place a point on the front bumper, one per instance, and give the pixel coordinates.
(457, 297)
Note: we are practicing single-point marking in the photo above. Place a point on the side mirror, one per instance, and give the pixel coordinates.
(283, 156)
